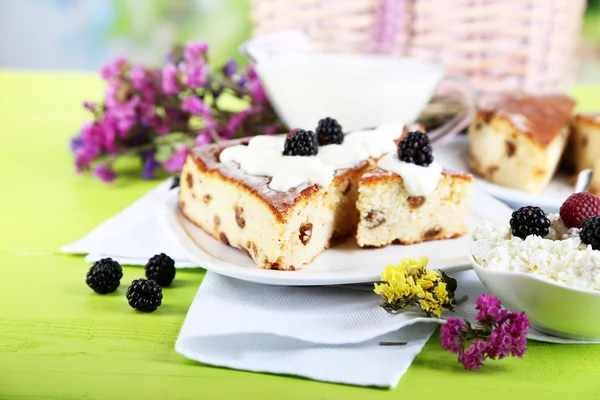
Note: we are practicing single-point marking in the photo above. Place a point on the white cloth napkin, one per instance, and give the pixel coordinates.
(323, 333)
(132, 236)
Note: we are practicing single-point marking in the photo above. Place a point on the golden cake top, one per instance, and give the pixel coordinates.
(541, 118)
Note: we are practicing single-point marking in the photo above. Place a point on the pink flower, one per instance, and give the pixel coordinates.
(194, 50)
(203, 138)
(169, 79)
(113, 68)
(488, 306)
(500, 343)
(271, 130)
(519, 325)
(84, 156)
(139, 78)
(105, 173)
(194, 105)
(195, 75)
(451, 335)
(474, 357)
(177, 159)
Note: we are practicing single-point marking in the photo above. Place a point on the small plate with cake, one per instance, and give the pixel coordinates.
(323, 207)
(528, 150)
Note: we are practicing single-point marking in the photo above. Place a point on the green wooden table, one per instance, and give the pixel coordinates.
(59, 340)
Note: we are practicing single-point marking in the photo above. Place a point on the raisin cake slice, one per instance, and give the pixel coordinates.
(409, 199)
(283, 210)
(584, 143)
(518, 142)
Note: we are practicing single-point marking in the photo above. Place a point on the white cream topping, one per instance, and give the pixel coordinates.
(418, 180)
(263, 157)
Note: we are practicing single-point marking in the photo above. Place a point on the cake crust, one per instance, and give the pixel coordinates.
(539, 118)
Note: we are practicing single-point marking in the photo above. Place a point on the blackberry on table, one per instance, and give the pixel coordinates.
(161, 269)
(529, 220)
(104, 276)
(590, 233)
(329, 131)
(301, 143)
(144, 295)
(415, 148)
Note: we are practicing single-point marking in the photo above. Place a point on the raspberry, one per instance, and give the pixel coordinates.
(104, 276)
(415, 149)
(590, 233)
(529, 220)
(301, 143)
(144, 295)
(161, 269)
(578, 208)
(329, 131)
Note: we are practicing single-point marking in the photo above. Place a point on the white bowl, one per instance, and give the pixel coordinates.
(359, 91)
(552, 307)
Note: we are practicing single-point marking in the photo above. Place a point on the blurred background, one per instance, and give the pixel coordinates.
(83, 34)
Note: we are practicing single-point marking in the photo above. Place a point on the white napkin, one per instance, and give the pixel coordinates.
(329, 334)
(132, 236)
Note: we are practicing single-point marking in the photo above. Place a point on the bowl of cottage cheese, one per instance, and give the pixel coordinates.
(554, 277)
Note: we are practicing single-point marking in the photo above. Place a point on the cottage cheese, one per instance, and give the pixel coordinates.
(560, 256)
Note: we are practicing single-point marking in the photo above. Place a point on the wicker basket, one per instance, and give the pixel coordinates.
(503, 46)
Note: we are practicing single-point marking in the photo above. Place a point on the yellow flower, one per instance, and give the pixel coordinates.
(429, 304)
(441, 292)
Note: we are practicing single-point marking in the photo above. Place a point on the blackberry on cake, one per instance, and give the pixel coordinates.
(329, 131)
(578, 208)
(144, 295)
(300, 143)
(529, 220)
(161, 269)
(416, 149)
(104, 276)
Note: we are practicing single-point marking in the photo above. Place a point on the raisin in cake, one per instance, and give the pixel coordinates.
(283, 209)
(519, 142)
(584, 143)
(409, 199)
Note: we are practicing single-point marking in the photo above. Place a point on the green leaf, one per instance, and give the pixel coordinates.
(451, 283)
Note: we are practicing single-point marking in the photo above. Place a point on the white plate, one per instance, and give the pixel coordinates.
(343, 264)
(454, 156)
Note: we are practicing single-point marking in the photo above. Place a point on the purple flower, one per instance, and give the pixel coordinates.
(230, 68)
(195, 75)
(519, 325)
(150, 164)
(271, 130)
(203, 138)
(194, 105)
(175, 162)
(194, 50)
(452, 335)
(139, 78)
(474, 357)
(236, 122)
(85, 155)
(105, 173)
(169, 79)
(488, 307)
(113, 68)
(500, 342)
(76, 143)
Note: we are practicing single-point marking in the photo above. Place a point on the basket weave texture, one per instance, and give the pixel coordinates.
(503, 46)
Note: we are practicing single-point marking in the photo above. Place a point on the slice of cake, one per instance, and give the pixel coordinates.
(584, 143)
(409, 199)
(282, 199)
(595, 184)
(519, 142)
